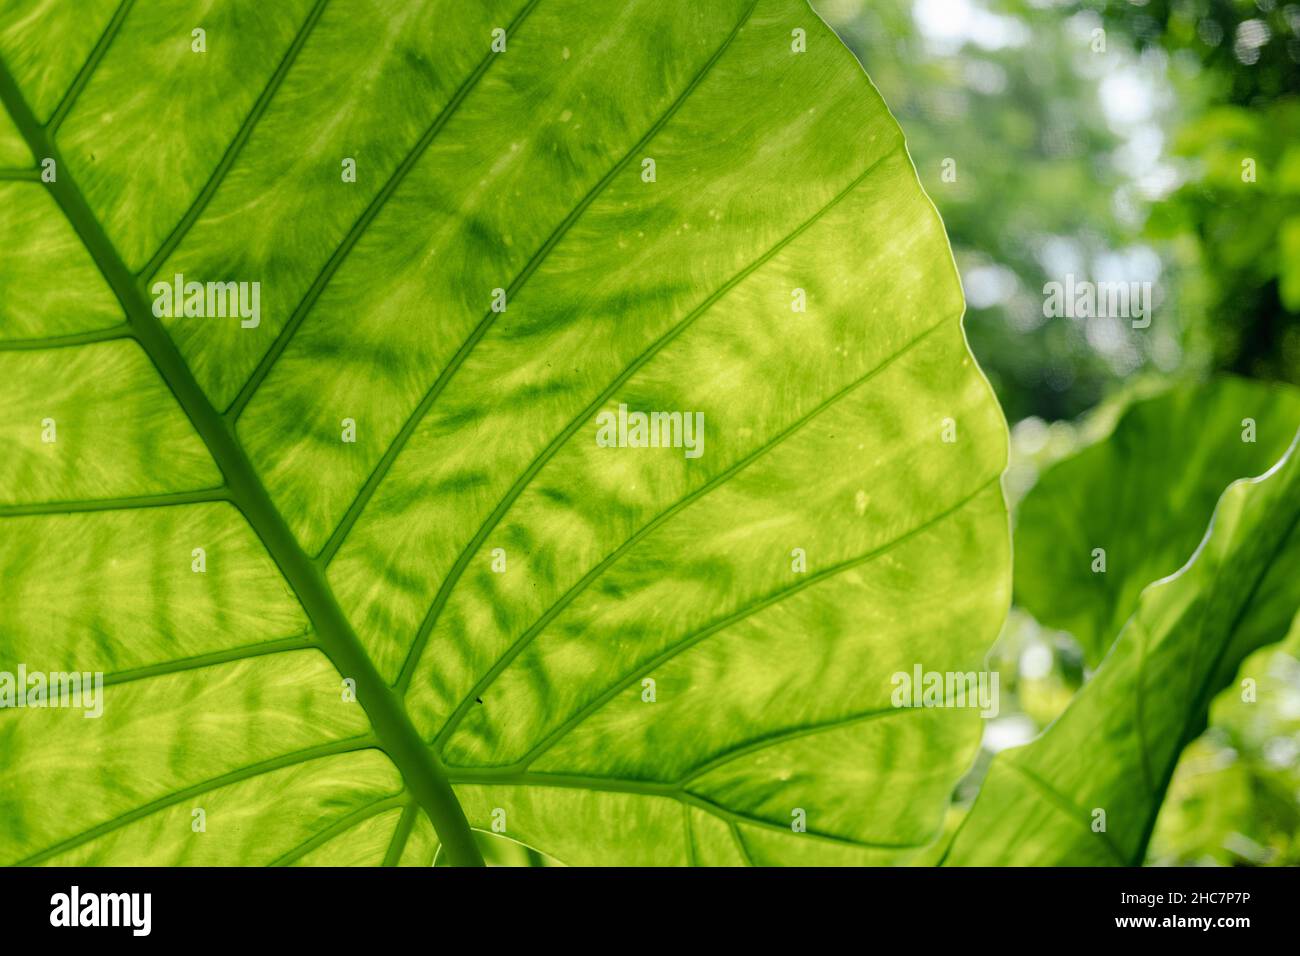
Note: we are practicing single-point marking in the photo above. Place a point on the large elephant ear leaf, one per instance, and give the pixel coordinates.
(604, 440)
(1088, 790)
(1101, 525)
(13, 151)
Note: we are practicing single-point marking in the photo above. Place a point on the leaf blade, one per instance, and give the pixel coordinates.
(294, 488)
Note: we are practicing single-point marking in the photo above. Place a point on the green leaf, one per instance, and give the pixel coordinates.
(1143, 496)
(1087, 791)
(499, 586)
(13, 151)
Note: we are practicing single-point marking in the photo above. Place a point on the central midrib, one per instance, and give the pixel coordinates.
(393, 728)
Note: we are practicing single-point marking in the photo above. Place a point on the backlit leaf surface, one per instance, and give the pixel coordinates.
(499, 586)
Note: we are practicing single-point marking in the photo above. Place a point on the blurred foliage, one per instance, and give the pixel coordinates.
(1104, 140)
(1116, 140)
(1233, 226)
